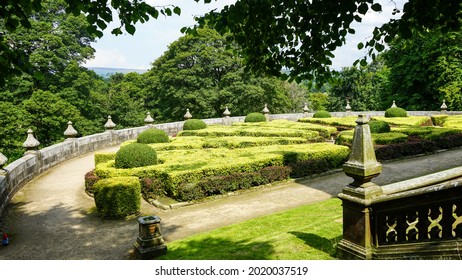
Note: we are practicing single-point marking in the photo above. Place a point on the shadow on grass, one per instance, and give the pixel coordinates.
(219, 249)
(320, 243)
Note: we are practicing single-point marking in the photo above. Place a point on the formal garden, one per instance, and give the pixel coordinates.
(207, 160)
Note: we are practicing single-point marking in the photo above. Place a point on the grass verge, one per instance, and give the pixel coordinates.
(309, 232)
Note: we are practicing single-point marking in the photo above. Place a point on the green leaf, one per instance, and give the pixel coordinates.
(362, 8)
(360, 46)
(130, 29)
(177, 10)
(376, 7)
(363, 62)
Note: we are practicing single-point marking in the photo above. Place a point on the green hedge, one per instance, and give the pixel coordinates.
(321, 114)
(255, 117)
(453, 122)
(194, 124)
(152, 135)
(346, 138)
(135, 155)
(406, 121)
(117, 197)
(379, 127)
(181, 166)
(223, 184)
(104, 157)
(343, 122)
(395, 112)
(429, 132)
(251, 131)
(284, 124)
(439, 120)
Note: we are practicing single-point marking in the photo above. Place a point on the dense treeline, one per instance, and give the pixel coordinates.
(197, 72)
(202, 73)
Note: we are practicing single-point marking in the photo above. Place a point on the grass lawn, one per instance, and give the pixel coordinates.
(309, 232)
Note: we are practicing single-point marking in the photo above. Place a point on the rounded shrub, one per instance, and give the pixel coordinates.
(255, 117)
(117, 197)
(135, 155)
(321, 114)
(395, 112)
(152, 135)
(194, 124)
(379, 127)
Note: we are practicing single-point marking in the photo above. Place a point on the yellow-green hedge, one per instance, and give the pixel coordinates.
(181, 166)
(117, 197)
(406, 121)
(345, 121)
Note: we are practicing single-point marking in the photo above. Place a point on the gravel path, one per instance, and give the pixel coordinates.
(53, 218)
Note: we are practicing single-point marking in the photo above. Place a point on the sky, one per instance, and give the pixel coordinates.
(152, 38)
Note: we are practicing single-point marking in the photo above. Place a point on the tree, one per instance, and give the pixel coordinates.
(273, 34)
(199, 73)
(426, 70)
(301, 36)
(361, 86)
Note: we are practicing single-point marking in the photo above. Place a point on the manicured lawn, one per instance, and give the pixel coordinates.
(309, 232)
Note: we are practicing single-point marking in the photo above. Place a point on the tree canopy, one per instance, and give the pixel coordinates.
(300, 36)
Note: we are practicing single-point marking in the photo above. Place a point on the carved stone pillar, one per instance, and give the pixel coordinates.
(356, 198)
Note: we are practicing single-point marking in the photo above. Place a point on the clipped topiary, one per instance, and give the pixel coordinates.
(117, 197)
(255, 117)
(152, 135)
(194, 124)
(135, 155)
(379, 127)
(395, 112)
(321, 114)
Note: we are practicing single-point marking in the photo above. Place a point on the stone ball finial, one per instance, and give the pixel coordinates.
(3, 160)
(188, 115)
(265, 110)
(394, 104)
(444, 107)
(110, 125)
(70, 132)
(226, 113)
(305, 108)
(31, 143)
(148, 119)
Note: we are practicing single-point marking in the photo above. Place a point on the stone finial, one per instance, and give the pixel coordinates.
(188, 115)
(305, 108)
(148, 120)
(226, 113)
(444, 107)
(31, 144)
(266, 112)
(3, 161)
(348, 107)
(70, 132)
(110, 125)
(394, 104)
(362, 164)
(226, 117)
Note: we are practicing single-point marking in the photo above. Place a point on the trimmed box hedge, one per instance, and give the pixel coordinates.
(253, 131)
(231, 142)
(285, 124)
(439, 120)
(117, 197)
(406, 121)
(188, 166)
(346, 137)
(343, 122)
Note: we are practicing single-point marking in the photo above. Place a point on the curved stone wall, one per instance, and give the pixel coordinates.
(18, 173)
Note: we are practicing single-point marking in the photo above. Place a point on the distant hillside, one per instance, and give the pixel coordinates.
(107, 72)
